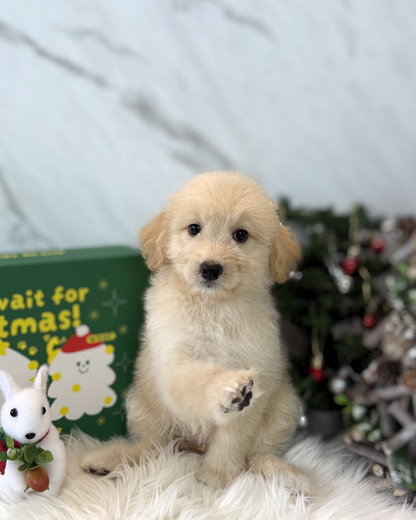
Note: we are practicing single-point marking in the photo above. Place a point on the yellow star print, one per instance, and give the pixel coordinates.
(103, 284)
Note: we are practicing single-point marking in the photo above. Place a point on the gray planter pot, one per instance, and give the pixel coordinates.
(325, 423)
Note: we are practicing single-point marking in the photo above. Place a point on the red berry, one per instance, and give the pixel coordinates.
(37, 479)
(369, 321)
(318, 374)
(350, 264)
(377, 245)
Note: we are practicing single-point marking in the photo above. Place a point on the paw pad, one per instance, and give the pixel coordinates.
(98, 472)
(239, 399)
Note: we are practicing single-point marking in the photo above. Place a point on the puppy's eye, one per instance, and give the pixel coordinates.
(43, 410)
(240, 235)
(13, 412)
(194, 229)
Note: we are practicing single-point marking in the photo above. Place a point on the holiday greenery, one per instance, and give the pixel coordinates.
(380, 406)
(354, 299)
(332, 295)
(31, 455)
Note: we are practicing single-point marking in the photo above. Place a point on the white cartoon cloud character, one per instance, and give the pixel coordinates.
(81, 377)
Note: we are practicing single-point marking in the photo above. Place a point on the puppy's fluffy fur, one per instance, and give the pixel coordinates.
(210, 345)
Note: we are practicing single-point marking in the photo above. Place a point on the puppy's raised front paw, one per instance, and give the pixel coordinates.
(235, 391)
(102, 461)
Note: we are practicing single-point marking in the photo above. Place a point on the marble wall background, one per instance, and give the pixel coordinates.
(108, 106)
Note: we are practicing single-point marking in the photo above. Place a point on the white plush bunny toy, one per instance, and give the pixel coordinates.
(25, 417)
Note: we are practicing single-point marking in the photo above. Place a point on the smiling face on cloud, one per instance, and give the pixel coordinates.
(83, 367)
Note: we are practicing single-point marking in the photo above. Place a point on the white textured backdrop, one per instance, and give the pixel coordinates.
(108, 106)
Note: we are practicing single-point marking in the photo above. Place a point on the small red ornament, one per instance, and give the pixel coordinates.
(377, 245)
(318, 374)
(369, 321)
(350, 264)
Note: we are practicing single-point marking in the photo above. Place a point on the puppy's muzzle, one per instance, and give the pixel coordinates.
(210, 271)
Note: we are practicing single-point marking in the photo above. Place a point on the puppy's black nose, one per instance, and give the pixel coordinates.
(30, 435)
(210, 271)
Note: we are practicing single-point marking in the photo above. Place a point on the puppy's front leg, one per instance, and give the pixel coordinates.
(227, 454)
(105, 459)
(207, 390)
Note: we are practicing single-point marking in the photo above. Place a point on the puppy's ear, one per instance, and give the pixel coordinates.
(285, 254)
(153, 242)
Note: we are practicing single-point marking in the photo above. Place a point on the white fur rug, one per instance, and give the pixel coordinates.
(164, 487)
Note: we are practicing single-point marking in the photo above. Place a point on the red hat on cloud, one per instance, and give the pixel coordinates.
(78, 341)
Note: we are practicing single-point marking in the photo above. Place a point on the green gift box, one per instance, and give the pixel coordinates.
(80, 312)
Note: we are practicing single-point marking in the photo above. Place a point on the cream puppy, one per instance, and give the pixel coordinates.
(211, 369)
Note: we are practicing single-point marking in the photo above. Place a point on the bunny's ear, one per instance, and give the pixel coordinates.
(8, 385)
(41, 378)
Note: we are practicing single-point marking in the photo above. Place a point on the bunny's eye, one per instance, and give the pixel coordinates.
(43, 410)
(13, 412)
